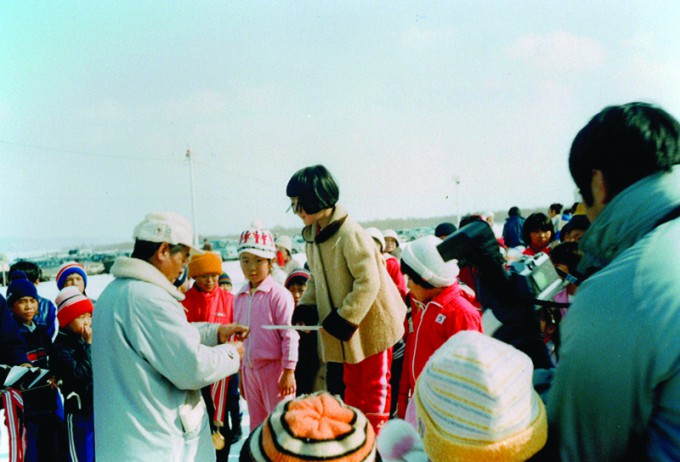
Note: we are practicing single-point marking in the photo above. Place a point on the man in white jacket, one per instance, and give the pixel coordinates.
(149, 363)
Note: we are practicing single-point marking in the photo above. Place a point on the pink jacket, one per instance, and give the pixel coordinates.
(270, 304)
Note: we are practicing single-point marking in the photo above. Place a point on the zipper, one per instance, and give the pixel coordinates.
(250, 306)
(415, 346)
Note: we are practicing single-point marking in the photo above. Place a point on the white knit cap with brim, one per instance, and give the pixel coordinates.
(257, 241)
(285, 242)
(377, 235)
(167, 227)
(475, 401)
(391, 233)
(422, 257)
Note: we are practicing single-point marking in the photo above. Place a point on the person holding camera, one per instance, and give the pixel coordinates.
(616, 388)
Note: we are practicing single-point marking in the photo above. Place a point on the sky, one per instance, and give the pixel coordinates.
(419, 109)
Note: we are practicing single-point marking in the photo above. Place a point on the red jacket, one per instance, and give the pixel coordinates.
(394, 270)
(216, 306)
(432, 325)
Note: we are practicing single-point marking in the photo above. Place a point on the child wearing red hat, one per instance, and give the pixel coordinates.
(72, 365)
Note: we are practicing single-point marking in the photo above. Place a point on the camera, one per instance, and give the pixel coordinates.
(532, 278)
(513, 294)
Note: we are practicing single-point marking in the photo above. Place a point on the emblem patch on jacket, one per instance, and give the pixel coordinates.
(440, 319)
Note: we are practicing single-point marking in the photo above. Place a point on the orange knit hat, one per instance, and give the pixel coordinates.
(312, 427)
(207, 263)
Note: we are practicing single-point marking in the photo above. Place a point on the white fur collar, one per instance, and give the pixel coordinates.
(134, 268)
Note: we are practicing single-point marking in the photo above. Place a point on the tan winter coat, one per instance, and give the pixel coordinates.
(358, 304)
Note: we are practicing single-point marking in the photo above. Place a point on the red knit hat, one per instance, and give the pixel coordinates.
(71, 303)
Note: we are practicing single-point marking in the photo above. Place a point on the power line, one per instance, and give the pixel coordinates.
(90, 154)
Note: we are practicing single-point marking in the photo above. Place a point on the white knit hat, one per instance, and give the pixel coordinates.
(391, 233)
(377, 235)
(285, 242)
(166, 227)
(257, 241)
(475, 401)
(422, 257)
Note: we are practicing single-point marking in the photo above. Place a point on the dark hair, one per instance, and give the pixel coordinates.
(576, 222)
(627, 143)
(514, 212)
(314, 188)
(415, 277)
(556, 207)
(32, 270)
(467, 219)
(445, 229)
(566, 253)
(537, 222)
(144, 250)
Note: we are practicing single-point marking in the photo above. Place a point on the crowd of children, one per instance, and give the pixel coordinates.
(415, 301)
(461, 393)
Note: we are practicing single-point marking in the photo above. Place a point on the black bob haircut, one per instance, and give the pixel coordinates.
(315, 189)
(415, 277)
(627, 143)
(537, 222)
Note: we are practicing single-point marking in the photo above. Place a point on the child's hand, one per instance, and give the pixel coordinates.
(86, 333)
(225, 331)
(287, 382)
(239, 348)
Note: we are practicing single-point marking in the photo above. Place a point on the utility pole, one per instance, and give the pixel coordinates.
(193, 198)
(456, 181)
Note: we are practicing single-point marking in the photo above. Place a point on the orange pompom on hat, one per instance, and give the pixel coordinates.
(312, 427)
(207, 263)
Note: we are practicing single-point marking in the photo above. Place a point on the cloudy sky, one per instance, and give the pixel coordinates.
(99, 102)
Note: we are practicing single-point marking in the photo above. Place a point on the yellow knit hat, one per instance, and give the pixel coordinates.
(207, 263)
(475, 401)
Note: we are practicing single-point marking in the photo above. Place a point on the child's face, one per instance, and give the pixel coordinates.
(539, 239)
(226, 286)
(207, 282)
(297, 290)
(306, 218)
(255, 268)
(421, 293)
(390, 244)
(75, 279)
(25, 309)
(79, 324)
(284, 253)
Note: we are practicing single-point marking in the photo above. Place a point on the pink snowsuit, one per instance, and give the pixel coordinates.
(267, 352)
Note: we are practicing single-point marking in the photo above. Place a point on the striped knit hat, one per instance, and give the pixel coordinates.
(224, 279)
(71, 303)
(475, 401)
(70, 268)
(298, 275)
(312, 427)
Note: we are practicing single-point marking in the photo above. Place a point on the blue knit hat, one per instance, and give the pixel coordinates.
(20, 287)
(70, 268)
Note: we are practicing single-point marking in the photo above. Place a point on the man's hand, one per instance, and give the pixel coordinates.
(287, 382)
(225, 331)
